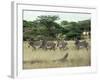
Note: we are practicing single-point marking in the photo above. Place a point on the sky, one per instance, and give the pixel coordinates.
(70, 17)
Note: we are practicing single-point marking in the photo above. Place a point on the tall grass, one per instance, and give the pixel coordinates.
(40, 58)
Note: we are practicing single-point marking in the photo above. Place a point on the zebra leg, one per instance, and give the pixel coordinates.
(87, 46)
(77, 47)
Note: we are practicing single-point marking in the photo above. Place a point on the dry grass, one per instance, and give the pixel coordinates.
(50, 59)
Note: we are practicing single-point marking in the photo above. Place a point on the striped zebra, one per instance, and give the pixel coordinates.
(62, 45)
(35, 44)
(50, 45)
(81, 44)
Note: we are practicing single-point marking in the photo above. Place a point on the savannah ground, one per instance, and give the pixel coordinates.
(34, 59)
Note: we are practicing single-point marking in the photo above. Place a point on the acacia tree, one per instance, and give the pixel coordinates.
(47, 27)
(85, 25)
(52, 28)
(64, 23)
(72, 30)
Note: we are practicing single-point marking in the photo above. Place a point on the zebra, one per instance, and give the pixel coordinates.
(35, 44)
(50, 45)
(81, 44)
(62, 45)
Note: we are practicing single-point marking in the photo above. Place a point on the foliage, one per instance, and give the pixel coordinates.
(47, 27)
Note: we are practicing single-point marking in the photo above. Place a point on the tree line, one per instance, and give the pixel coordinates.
(50, 28)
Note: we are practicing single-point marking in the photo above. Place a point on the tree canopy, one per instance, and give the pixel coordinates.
(47, 27)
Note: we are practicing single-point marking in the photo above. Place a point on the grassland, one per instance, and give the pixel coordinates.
(39, 58)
